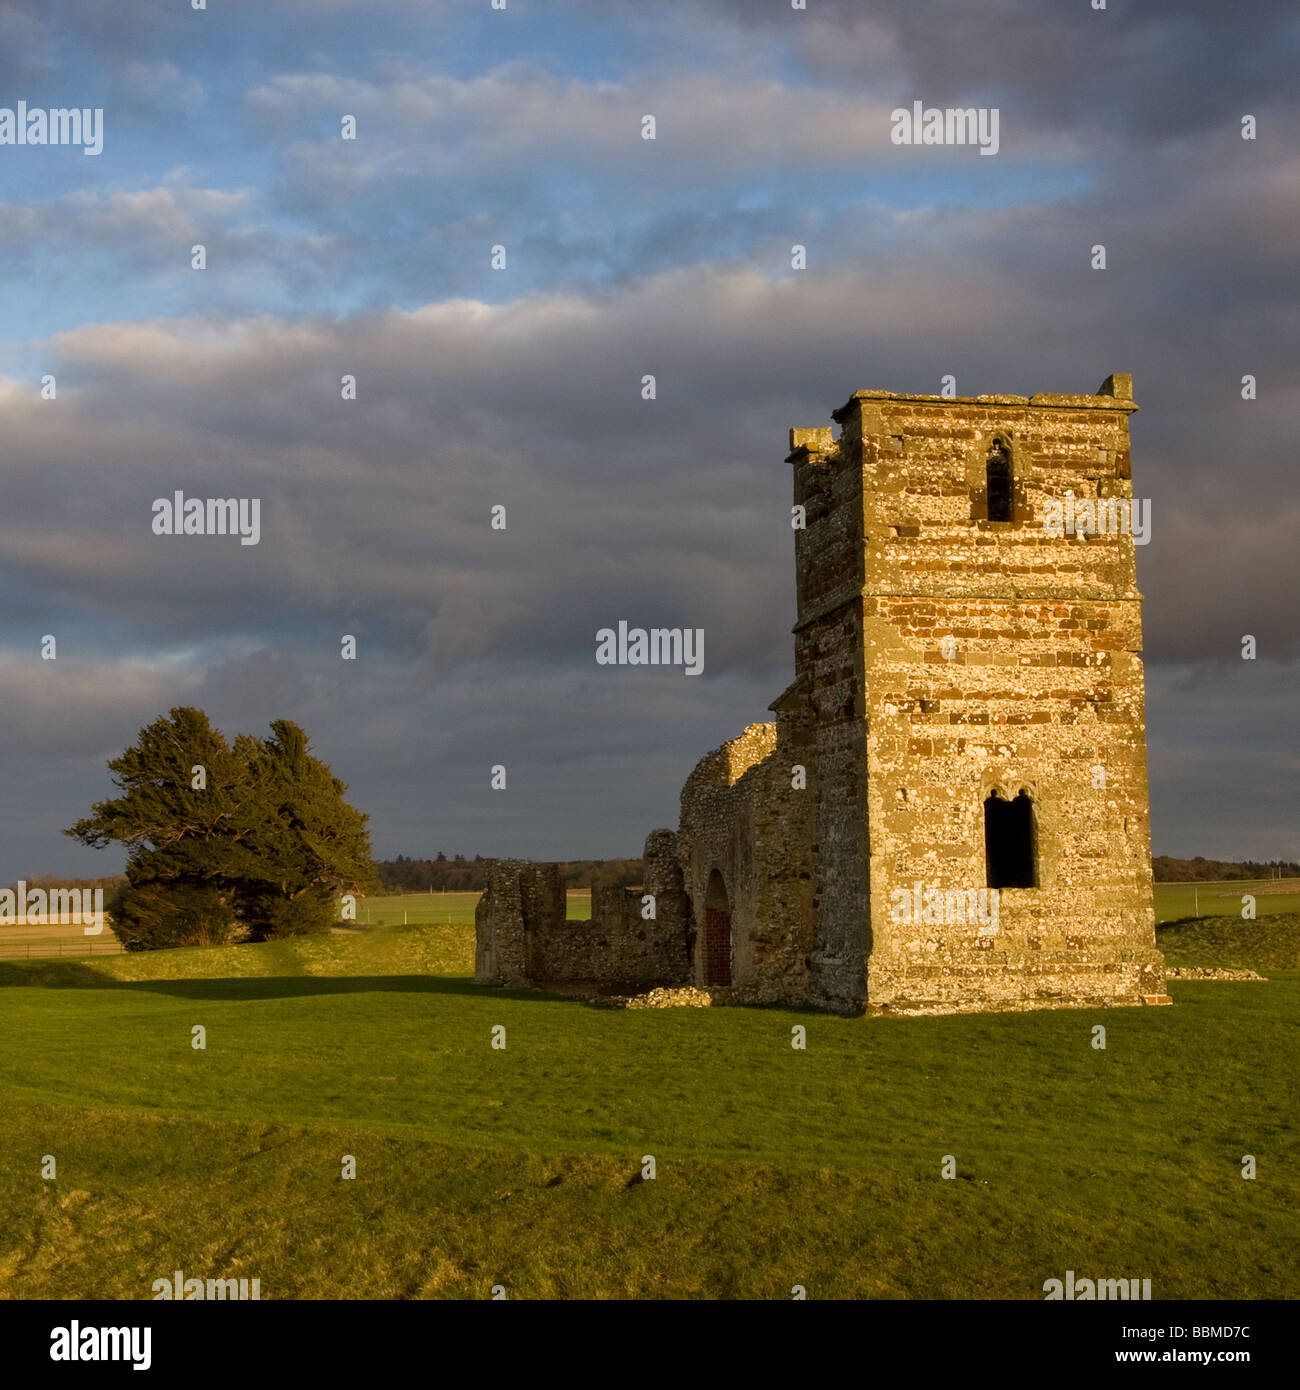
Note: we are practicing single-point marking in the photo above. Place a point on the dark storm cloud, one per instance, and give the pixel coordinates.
(1214, 791)
(1141, 73)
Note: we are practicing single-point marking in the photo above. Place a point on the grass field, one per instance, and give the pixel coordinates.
(523, 1166)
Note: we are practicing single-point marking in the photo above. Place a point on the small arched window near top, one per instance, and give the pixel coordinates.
(999, 481)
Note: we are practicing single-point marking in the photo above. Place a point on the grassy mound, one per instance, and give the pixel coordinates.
(1228, 943)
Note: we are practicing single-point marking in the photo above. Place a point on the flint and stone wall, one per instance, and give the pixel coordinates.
(524, 939)
(743, 817)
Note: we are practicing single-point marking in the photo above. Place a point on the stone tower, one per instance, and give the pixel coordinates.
(972, 693)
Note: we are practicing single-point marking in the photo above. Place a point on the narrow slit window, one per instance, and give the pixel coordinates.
(999, 482)
(1009, 852)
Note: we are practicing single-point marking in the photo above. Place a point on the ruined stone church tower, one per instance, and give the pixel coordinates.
(967, 715)
(951, 654)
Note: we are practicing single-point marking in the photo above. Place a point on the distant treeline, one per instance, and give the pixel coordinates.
(461, 875)
(110, 884)
(1169, 870)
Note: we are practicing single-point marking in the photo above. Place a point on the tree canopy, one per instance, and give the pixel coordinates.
(252, 839)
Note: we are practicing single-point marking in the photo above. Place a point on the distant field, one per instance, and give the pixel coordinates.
(416, 909)
(1177, 900)
(45, 940)
(406, 909)
(1173, 901)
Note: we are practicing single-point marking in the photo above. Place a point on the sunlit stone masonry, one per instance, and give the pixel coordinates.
(949, 810)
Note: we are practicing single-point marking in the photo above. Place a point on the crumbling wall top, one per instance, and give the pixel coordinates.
(1115, 393)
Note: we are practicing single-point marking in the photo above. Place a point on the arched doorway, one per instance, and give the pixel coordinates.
(717, 932)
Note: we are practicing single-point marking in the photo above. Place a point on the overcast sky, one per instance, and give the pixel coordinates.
(521, 387)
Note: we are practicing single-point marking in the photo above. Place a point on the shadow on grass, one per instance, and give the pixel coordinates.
(56, 975)
(305, 986)
(70, 975)
(73, 975)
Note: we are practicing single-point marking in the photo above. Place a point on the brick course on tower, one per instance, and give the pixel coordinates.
(967, 714)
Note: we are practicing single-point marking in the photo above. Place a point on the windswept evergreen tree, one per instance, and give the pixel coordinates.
(250, 840)
(309, 845)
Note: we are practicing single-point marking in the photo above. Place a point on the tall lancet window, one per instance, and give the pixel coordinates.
(999, 479)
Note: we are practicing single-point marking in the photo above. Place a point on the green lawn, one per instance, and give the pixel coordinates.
(522, 1167)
